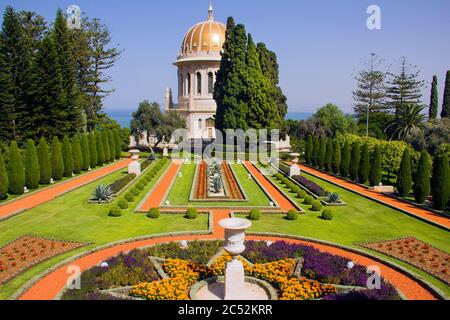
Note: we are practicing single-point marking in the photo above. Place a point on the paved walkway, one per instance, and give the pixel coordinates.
(49, 193)
(410, 208)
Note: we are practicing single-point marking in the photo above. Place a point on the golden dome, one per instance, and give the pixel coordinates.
(204, 37)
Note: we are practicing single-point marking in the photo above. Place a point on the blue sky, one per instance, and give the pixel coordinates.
(319, 43)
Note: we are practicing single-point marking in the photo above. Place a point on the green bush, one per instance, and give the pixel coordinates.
(327, 214)
(316, 206)
(404, 180)
(293, 215)
(153, 213)
(67, 157)
(57, 160)
(422, 185)
(3, 180)
(45, 167)
(16, 172)
(135, 191)
(191, 214)
(32, 172)
(301, 194)
(85, 153)
(140, 186)
(123, 204)
(254, 215)
(308, 200)
(115, 211)
(441, 182)
(76, 155)
(129, 197)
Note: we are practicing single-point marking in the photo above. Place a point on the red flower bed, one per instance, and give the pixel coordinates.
(25, 252)
(234, 190)
(200, 192)
(418, 254)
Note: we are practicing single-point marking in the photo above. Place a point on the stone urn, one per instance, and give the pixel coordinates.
(134, 166)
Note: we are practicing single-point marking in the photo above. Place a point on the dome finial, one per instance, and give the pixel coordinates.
(210, 12)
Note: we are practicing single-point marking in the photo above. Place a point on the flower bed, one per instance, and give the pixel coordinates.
(230, 180)
(25, 252)
(121, 183)
(417, 253)
(310, 185)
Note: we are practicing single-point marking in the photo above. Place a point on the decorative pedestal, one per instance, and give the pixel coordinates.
(135, 166)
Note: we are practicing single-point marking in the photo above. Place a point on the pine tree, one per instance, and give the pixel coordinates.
(355, 161)
(309, 150)
(106, 149)
(57, 160)
(330, 155)
(434, 100)
(118, 143)
(441, 182)
(32, 172)
(316, 151)
(404, 177)
(322, 153)
(112, 145)
(422, 185)
(446, 104)
(16, 172)
(45, 166)
(4, 181)
(364, 167)
(67, 157)
(345, 163)
(337, 157)
(76, 154)
(85, 153)
(93, 150)
(375, 168)
(100, 149)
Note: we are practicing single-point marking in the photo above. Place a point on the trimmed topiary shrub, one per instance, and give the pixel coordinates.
(422, 185)
(93, 157)
(364, 167)
(16, 172)
(100, 150)
(129, 197)
(122, 203)
(308, 200)
(115, 211)
(76, 154)
(254, 215)
(140, 186)
(301, 194)
(135, 191)
(327, 214)
(153, 213)
(375, 168)
(293, 215)
(191, 214)
(404, 177)
(85, 153)
(316, 206)
(440, 182)
(67, 157)
(32, 173)
(45, 167)
(57, 160)
(3, 179)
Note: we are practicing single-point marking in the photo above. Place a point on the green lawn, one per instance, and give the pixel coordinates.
(71, 217)
(180, 192)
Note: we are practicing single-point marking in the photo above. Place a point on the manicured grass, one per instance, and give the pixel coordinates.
(181, 189)
(71, 217)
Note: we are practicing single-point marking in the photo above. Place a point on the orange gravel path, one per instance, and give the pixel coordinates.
(48, 287)
(39, 197)
(412, 209)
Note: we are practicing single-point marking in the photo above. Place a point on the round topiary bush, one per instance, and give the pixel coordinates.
(301, 194)
(296, 189)
(254, 215)
(129, 197)
(292, 215)
(140, 186)
(115, 211)
(123, 204)
(308, 200)
(191, 214)
(153, 213)
(135, 191)
(327, 214)
(316, 206)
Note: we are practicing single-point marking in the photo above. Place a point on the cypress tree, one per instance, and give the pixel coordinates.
(112, 145)
(85, 153)
(375, 168)
(345, 163)
(330, 154)
(100, 149)
(355, 161)
(4, 181)
(446, 104)
(16, 172)
(76, 154)
(441, 182)
(309, 150)
(434, 100)
(322, 153)
(118, 143)
(337, 158)
(93, 150)
(57, 160)
(422, 186)
(364, 167)
(404, 177)
(316, 151)
(106, 150)
(45, 165)
(67, 157)
(32, 172)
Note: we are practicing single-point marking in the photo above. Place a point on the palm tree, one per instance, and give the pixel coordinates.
(408, 118)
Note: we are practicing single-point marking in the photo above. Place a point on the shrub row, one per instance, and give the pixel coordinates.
(145, 164)
(311, 186)
(121, 183)
(191, 213)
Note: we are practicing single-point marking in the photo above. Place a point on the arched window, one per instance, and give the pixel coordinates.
(200, 125)
(210, 83)
(188, 87)
(199, 83)
(210, 123)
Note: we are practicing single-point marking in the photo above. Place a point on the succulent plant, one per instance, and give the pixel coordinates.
(103, 194)
(333, 198)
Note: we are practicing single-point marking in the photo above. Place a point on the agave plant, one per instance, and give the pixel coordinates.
(103, 194)
(333, 198)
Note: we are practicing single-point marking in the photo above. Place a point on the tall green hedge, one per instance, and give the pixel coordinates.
(16, 172)
(45, 166)
(404, 177)
(441, 182)
(355, 161)
(316, 151)
(100, 149)
(323, 152)
(422, 185)
(93, 150)
(4, 181)
(112, 145)
(57, 160)
(67, 157)
(106, 149)
(309, 150)
(76, 154)
(337, 157)
(345, 163)
(375, 168)
(364, 166)
(329, 157)
(32, 173)
(118, 143)
(85, 153)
